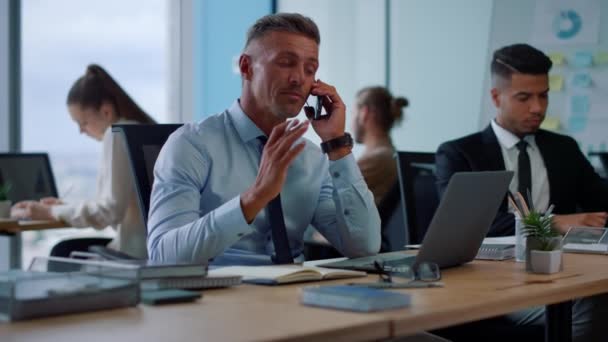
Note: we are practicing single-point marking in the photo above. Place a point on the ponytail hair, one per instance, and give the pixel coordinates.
(96, 86)
(388, 109)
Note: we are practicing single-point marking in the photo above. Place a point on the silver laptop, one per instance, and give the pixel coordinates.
(459, 225)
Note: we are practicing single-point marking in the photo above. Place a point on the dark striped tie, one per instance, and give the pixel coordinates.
(523, 171)
(277, 225)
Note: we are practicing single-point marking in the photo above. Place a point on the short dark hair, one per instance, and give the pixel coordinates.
(521, 59)
(284, 22)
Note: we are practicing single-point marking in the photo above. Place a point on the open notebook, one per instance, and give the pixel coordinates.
(285, 274)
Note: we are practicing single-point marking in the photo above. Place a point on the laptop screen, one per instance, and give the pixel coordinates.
(29, 175)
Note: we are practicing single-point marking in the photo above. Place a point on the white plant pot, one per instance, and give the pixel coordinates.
(5, 209)
(546, 262)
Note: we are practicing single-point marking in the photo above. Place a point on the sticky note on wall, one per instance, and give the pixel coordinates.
(582, 59)
(581, 80)
(577, 123)
(556, 82)
(551, 123)
(579, 105)
(600, 58)
(557, 58)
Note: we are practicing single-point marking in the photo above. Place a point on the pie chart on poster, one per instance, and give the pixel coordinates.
(567, 24)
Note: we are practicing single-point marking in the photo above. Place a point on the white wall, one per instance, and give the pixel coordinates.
(352, 52)
(438, 59)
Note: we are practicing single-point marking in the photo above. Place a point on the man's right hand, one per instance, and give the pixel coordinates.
(278, 154)
(564, 222)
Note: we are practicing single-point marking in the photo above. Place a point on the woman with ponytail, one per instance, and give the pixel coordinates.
(377, 112)
(95, 102)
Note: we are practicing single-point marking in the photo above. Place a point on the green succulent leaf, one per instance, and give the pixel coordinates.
(4, 190)
(540, 227)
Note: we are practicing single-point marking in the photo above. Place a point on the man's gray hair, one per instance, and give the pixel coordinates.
(284, 22)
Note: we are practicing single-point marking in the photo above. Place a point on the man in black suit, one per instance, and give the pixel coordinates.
(548, 165)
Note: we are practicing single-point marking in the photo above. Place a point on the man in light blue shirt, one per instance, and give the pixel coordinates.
(214, 188)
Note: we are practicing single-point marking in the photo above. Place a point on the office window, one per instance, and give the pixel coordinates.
(59, 39)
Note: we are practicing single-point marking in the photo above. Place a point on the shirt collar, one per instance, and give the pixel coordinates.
(507, 139)
(246, 129)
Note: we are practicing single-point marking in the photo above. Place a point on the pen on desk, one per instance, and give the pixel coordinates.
(522, 203)
(512, 204)
(516, 204)
(549, 210)
(529, 198)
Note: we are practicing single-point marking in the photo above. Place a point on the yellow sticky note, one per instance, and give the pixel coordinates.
(600, 58)
(557, 58)
(556, 82)
(551, 123)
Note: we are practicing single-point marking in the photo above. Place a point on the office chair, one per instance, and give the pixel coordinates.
(65, 247)
(419, 195)
(143, 144)
(392, 220)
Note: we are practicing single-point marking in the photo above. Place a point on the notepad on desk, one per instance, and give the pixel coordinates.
(353, 298)
(586, 240)
(210, 281)
(496, 251)
(277, 275)
(149, 269)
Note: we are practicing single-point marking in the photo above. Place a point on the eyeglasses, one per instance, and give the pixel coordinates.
(423, 272)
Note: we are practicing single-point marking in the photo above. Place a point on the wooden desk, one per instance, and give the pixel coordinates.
(12, 230)
(474, 291)
(484, 289)
(243, 313)
(14, 226)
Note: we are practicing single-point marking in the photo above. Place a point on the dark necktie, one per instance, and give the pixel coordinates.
(277, 225)
(523, 171)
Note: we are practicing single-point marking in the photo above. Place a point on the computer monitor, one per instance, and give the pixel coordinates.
(29, 175)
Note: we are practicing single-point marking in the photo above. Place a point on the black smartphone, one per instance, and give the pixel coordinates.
(316, 112)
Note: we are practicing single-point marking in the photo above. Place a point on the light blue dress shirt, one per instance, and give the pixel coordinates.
(195, 212)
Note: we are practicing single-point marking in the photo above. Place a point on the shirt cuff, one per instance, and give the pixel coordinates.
(345, 171)
(230, 217)
(61, 212)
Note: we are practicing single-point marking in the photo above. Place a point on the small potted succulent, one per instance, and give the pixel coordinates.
(5, 204)
(543, 244)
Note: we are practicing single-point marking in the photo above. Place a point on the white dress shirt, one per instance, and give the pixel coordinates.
(115, 203)
(510, 153)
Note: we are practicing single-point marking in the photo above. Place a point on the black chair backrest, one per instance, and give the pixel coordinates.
(143, 144)
(419, 195)
(391, 227)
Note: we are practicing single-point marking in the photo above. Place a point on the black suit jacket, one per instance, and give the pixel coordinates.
(573, 183)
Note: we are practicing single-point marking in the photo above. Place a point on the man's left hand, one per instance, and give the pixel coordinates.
(333, 126)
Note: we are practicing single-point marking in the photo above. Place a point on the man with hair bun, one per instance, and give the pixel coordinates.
(377, 112)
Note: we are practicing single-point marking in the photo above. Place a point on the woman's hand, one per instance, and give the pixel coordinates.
(51, 201)
(32, 210)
